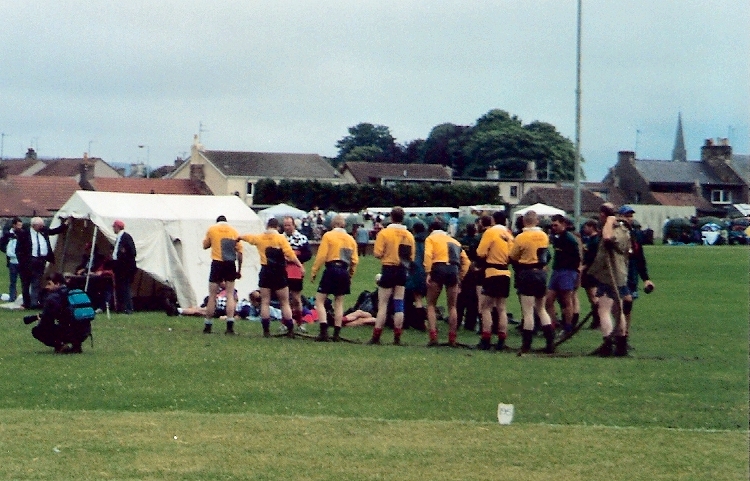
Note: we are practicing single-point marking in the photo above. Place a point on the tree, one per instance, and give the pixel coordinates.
(445, 145)
(381, 145)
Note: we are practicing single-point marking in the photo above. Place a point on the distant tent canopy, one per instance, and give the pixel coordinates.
(168, 231)
(280, 211)
(540, 209)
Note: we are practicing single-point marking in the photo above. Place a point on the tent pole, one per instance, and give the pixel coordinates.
(91, 258)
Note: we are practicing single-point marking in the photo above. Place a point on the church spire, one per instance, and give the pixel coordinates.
(679, 153)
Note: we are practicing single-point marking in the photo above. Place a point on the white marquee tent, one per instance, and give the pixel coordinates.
(279, 211)
(542, 210)
(168, 231)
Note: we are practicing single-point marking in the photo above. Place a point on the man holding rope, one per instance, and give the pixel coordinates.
(610, 269)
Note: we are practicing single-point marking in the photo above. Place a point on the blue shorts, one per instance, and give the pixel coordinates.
(603, 289)
(335, 281)
(392, 276)
(563, 280)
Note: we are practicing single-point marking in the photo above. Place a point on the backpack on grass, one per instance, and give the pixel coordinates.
(81, 313)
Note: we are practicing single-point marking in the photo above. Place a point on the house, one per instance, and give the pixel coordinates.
(236, 173)
(510, 191)
(33, 195)
(389, 173)
(563, 198)
(711, 184)
(71, 167)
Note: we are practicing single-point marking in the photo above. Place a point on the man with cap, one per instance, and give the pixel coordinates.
(226, 249)
(123, 257)
(637, 268)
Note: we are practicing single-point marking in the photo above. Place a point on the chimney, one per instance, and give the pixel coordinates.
(85, 171)
(716, 153)
(530, 173)
(196, 173)
(626, 156)
(493, 173)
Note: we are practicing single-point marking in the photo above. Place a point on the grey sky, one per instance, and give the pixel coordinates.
(292, 76)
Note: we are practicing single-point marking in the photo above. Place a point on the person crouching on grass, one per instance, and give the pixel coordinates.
(446, 264)
(338, 251)
(275, 252)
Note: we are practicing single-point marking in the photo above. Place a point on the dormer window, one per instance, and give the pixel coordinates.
(721, 196)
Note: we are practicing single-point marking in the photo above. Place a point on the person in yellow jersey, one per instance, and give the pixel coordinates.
(493, 251)
(395, 247)
(338, 251)
(446, 264)
(221, 238)
(529, 257)
(274, 251)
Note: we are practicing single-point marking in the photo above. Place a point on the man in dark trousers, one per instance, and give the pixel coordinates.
(124, 267)
(33, 251)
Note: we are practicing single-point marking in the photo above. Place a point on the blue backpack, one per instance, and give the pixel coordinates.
(80, 306)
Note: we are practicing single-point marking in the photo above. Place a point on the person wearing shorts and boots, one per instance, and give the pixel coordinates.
(274, 251)
(295, 277)
(338, 251)
(529, 256)
(610, 268)
(564, 278)
(446, 264)
(493, 251)
(226, 250)
(395, 247)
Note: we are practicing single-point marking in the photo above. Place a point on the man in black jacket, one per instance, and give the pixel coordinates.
(124, 267)
(56, 327)
(34, 250)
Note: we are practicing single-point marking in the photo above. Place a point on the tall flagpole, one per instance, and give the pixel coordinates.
(577, 173)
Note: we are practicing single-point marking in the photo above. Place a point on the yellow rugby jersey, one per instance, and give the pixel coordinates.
(525, 250)
(336, 245)
(222, 239)
(273, 247)
(394, 244)
(440, 247)
(494, 247)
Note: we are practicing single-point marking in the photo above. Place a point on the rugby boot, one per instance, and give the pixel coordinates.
(605, 350)
(527, 335)
(323, 335)
(621, 346)
(549, 336)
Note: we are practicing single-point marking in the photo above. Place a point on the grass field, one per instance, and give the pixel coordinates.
(156, 399)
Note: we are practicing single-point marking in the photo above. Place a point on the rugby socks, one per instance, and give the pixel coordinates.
(289, 323)
(549, 336)
(230, 326)
(452, 337)
(501, 336)
(397, 335)
(527, 335)
(297, 316)
(433, 335)
(376, 332)
(207, 325)
(336, 332)
(323, 336)
(266, 323)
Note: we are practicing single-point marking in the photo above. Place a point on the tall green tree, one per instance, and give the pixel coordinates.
(445, 145)
(368, 142)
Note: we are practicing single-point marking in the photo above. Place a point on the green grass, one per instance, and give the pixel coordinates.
(251, 408)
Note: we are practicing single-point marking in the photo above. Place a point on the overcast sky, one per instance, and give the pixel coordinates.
(292, 76)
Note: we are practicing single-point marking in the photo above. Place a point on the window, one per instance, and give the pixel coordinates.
(721, 196)
(514, 191)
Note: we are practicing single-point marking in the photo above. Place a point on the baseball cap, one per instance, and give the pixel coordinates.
(626, 209)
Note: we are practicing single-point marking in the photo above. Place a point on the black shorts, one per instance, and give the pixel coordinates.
(222, 271)
(392, 276)
(588, 281)
(531, 282)
(335, 281)
(444, 274)
(496, 286)
(295, 285)
(273, 278)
